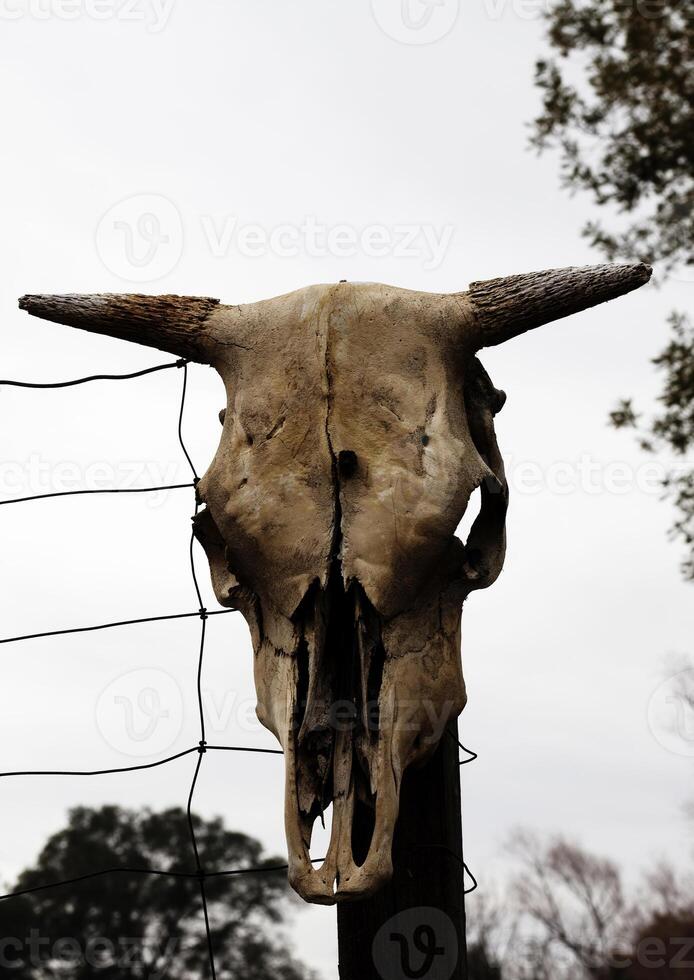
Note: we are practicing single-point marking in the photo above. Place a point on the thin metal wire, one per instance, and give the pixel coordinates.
(456, 857)
(145, 765)
(98, 772)
(96, 874)
(472, 755)
(202, 612)
(475, 883)
(81, 493)
(263, 869)
(108, 626)
(200, 873)
(463, 762)
(97, 377)
(180, 422)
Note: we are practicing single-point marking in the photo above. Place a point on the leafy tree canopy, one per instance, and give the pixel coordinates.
(134, 926)
(618, 104)
(672, 428)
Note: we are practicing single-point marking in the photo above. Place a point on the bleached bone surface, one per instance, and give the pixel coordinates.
(358, 424)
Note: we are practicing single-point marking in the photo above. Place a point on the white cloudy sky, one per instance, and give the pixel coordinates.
(241, 150)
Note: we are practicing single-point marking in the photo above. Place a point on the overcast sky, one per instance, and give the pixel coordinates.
(241, 150)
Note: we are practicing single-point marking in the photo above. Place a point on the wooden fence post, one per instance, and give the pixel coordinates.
(428, 941)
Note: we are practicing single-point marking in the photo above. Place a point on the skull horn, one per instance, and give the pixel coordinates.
(511, 305)
(176, 324)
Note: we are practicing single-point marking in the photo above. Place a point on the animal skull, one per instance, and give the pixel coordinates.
(358, 424)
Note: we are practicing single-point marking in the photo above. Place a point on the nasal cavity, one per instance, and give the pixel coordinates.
(347, 463)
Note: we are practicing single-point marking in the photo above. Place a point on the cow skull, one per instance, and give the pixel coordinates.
(358, 424)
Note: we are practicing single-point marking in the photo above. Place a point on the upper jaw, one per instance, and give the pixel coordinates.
(339, 878)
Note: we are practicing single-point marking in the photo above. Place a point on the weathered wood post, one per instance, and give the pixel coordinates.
(376, 941)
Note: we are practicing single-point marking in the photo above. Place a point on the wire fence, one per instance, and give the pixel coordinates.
(202, 747)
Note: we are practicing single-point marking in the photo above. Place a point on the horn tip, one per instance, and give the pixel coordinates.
(28, 301)
(55, 306)
(634, 275)
(640, 271)
(509, 306)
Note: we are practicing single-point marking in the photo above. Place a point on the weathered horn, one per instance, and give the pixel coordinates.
(511, 305)
(175, 324)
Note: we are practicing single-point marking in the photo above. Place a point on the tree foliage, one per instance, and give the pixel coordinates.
(568, 916)
(617, 102)
(573, 901)
(618, 105)
(481, 964)
(672, 429)
(128, 926)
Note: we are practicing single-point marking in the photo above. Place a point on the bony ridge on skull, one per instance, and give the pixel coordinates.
(359, 422)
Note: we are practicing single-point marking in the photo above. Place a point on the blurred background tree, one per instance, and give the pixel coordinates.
(134, 926)
(572, 902)
(485, 939)
(567, 916)
(618, 105)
